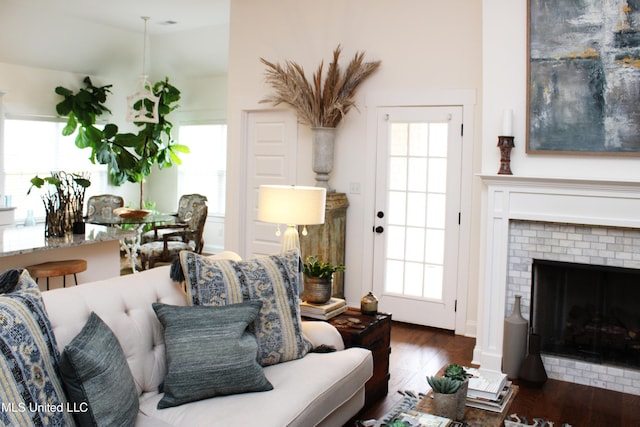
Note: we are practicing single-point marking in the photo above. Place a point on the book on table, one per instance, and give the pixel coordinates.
(493, 405)
(485, 383)
(420, 419)
(328, 306)
(323, 316)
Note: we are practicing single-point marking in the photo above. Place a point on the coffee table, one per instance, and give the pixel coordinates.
(474, 417)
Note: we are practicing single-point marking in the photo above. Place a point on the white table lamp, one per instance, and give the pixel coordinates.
(291, 205)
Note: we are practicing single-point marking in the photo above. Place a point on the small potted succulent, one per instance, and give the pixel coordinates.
(318, 279)
(445, 397)
(457, 372)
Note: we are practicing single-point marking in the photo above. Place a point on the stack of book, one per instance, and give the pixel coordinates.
(488, 390)
(325, 311)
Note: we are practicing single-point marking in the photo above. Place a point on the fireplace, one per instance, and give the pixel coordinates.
(587, 312)
(582, 221)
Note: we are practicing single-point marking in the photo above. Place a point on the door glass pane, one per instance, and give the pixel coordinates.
(417, 174)
(398, 173)
(415, 244)
(432, 277)
(438, 137)
(399, 132)
(413, 279)
(416, 201)
(395, 248)
(394, 277)
(397, 211)
(419, 139)
(416, 205)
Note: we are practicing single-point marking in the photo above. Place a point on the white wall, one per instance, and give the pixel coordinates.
(422, 44)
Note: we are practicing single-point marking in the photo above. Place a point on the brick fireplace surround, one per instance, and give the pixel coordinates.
(574, 220)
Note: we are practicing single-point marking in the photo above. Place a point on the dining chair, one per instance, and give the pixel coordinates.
(186, 206)
(100, 207)
(167, 249)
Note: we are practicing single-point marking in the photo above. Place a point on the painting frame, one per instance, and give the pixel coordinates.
(583, 77)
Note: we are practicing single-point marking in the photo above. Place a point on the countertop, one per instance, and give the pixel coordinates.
(22, 240)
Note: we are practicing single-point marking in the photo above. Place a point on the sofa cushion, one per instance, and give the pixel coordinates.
(28, 357)
(209, 352)
(96, 376)
(274, 280)
(304, 392)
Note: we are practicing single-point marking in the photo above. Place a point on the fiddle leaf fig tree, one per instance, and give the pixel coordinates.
(129, 156)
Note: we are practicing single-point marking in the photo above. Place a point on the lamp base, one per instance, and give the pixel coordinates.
(290, 240)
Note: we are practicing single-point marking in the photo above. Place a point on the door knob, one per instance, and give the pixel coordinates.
(379, 229)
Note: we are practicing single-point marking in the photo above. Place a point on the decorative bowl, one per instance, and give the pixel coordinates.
(131, 213)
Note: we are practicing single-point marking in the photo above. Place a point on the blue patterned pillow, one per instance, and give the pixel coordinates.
(31, 392)
(274, 280)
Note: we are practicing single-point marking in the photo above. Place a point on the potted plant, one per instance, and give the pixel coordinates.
(64, 202)
(457, 372)
(318, 279)
(130, 156)
(445, 397)
(320, 104)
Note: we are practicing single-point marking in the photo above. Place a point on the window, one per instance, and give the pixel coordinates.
(37, 147)
(204, 170)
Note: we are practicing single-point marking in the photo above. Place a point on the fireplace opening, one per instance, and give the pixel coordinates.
(587, 312)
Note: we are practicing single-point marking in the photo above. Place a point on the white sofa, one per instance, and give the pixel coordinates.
(318, 389)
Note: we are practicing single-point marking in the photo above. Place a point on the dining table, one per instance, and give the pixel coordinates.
(131, 243)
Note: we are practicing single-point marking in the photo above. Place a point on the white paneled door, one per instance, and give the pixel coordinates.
(417, 219)
(271, 141)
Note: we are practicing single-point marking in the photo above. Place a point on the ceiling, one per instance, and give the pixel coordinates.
(126, 14)
(64, 34)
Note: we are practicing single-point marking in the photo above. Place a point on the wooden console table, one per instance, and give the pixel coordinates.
(327, 240)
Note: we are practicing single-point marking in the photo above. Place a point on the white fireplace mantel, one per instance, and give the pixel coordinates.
(559, 200)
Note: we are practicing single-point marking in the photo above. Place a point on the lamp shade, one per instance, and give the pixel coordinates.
(291, 204)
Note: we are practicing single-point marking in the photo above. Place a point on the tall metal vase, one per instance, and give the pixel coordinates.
(514, 344)
(323, 140)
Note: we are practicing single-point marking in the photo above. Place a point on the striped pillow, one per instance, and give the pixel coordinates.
(274, 280)
(31, 392)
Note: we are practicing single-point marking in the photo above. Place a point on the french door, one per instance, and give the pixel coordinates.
(419, 157)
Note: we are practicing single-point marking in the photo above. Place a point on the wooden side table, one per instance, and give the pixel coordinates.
(372, 332)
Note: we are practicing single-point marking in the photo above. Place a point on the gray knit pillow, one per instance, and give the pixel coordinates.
(97, 378)
(209, 352)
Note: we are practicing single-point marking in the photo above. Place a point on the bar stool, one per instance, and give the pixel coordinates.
(57, 269)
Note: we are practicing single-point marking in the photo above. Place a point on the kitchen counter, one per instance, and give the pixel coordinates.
(99, 246)
(23, 240)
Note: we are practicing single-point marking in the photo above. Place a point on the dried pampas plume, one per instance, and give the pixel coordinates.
(318, 103)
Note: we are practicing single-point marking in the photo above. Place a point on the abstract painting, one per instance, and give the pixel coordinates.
(584, 77)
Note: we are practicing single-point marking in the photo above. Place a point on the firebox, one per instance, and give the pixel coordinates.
(587, 312)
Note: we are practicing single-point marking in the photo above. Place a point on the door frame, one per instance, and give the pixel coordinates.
(465, 98)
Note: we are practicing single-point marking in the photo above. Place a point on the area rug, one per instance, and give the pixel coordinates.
(410, 400)
(397, 416)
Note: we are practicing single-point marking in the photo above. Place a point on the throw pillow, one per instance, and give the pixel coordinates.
(274, 280)
(97, 377)
(209, 352)
(30, 391)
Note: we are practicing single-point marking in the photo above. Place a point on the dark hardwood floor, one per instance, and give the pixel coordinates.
(418, 351)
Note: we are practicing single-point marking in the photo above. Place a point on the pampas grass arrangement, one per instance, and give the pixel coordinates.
(319, 103)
